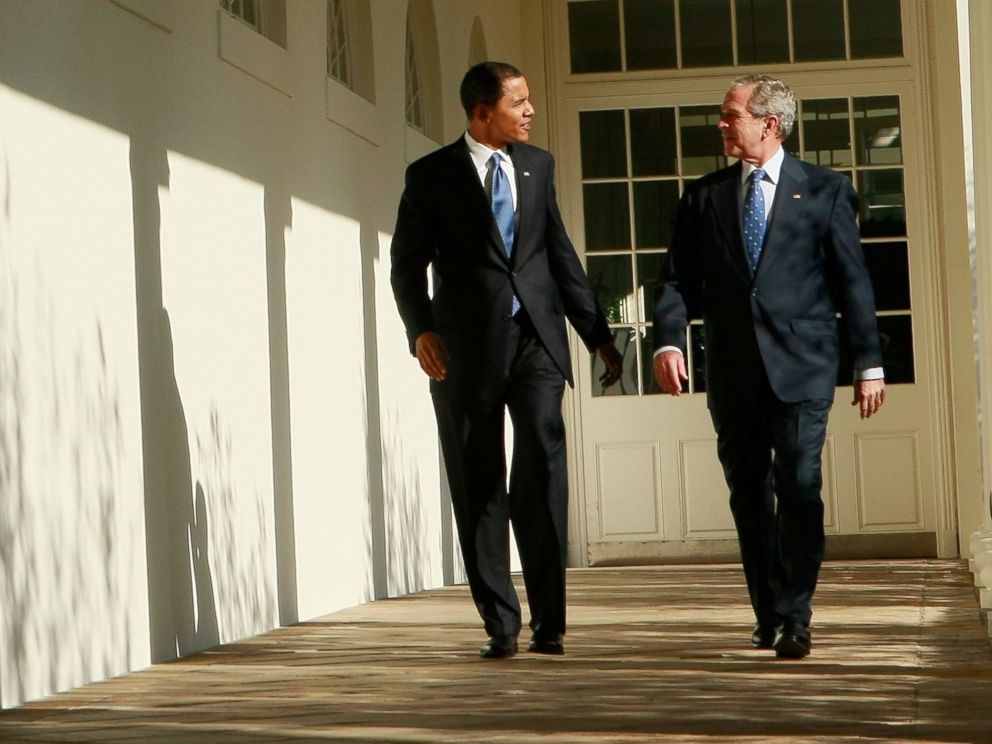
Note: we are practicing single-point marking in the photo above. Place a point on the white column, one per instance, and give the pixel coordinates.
(980, 21)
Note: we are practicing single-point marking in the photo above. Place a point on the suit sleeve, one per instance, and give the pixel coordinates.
(851, 280)
(581, 307)
(678, 289)
(411, 253)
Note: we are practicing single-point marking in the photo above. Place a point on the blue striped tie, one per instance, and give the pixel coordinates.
(503, 211)
(754, 218)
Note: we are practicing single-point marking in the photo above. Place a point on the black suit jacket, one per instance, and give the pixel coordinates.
(781, 319)
(445, 221)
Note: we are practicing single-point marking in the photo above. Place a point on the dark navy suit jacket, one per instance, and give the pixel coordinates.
(445, 220)
(780, 320)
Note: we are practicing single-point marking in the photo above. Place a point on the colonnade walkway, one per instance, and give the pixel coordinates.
(654, 654)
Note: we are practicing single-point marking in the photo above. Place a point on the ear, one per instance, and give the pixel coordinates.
(482, 113)
(771, 125)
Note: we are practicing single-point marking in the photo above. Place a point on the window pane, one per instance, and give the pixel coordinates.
(896, 335)
(702, 147)
(607, 216)
(877, 130)
(604, 145)
(818, 29)
(625, 339)
(612, 280)
(654, 212)
(647, 363)
(883, 207)
(649, 267)
(652, 142)
(594, 35)
(697, 360)
(888, 265)
(706, 37)
(649, 27)
(827, 132)
(876, 28)
(762, 31)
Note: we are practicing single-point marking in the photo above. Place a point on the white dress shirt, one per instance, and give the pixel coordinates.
(480, 158)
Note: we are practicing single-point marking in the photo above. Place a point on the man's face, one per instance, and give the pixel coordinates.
(509, 120)
(744, 135)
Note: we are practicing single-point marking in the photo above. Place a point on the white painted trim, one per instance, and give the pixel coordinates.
(246, 49)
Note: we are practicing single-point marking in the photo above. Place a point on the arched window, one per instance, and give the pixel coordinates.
(350, 58)
(423, 71)
(267, 17)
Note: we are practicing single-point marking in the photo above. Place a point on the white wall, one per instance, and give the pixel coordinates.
(209, 420)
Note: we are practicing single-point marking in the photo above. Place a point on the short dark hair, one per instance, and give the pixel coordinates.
(483, 83)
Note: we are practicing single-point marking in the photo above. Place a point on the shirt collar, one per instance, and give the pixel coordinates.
(772, 167)
(481, 153)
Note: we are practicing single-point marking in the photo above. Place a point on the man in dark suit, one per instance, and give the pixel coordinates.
(767, 252)
(482, 213)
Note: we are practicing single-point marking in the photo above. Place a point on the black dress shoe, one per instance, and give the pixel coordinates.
(499, 647)
(542, 643)
(763, 636)
(792, 640)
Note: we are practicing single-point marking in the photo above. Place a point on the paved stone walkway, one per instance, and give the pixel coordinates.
(655, 654)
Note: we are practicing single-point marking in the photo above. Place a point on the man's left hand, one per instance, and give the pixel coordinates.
(870, 394)
(614, 364)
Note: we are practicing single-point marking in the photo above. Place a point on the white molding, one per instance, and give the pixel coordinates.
(244, 48)
(159, 13)
(345, 107)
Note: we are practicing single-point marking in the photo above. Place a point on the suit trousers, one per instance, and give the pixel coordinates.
(536, 503)
(771, 457)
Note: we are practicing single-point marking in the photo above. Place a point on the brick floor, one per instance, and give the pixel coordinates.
(655, 654)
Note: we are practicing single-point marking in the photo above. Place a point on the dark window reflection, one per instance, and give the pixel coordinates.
(818, 29)
(594, 36)
(876, 28)
(762, 31)
(649, 266)
(655, 203)
(652, 142)
(827, 132)
(612, 280)
(706, 36)
(697, 354)
(883, 206)
(702, 147)
(607, 216)
(888, 265)
(604, 144)
(649, 29)
(647, 363)
(626, 341)
(878, 130)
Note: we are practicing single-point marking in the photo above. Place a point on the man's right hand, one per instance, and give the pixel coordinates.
(669, 371)
(432, 355)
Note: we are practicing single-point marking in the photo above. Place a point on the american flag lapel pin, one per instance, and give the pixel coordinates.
(526, 173)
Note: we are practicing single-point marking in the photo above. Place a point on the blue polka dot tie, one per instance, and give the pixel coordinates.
(754, 218)
(502, 203)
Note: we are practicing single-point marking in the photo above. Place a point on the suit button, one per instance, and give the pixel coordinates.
(754, 293)
(507, 317)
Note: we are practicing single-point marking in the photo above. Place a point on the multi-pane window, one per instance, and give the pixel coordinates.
(416, 115)
(631, 35)
(246, 10)
(635, 163)
(267, 17)
(339, 64)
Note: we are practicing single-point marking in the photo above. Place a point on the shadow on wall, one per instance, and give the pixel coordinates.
(55, 377)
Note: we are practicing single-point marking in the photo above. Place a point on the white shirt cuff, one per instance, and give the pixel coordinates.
(667, 348)
(872, 373)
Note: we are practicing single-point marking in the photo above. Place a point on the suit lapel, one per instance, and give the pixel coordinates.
(791, 197)
(727, 212)
(525, 194)
(474, 195)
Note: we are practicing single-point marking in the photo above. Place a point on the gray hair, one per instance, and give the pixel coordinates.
(770, 97)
